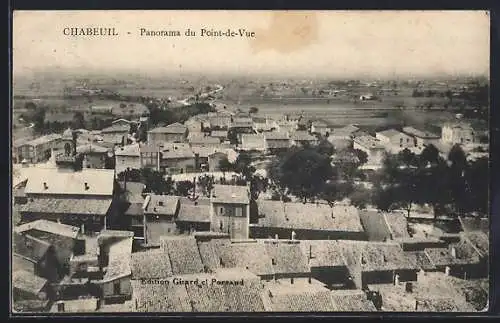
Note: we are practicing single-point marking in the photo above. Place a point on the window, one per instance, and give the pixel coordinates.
(160, 203)
(116, 288)
(221, 211)
(238, 211)
(274, 262)
(60, 307)
(221, 225)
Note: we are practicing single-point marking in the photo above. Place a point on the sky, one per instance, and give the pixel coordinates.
(309, 43)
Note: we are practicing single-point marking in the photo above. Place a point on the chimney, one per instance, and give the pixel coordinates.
(45, 185)
(86, 186)
(82, 228)
(293, 235)
(276, 237)
(125, 180)
(396, 279)
(447, 270)
(453, 252)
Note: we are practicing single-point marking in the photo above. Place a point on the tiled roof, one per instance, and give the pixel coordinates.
(31, 305)
(28, 282)
(175, 128)
(209, 251)
(21, 247)
(162, 204)
(129, 150)
(184, 255)
(480, 240)
(151, 264)
(116, 128)
(160, 297)
(475, 224)
(119, 259)
(298, 297)
(44, 139)
(302, 136)
(230, 194)
(276, 135)
(389, 133)
(464, 254)
(421, 259)
(99, 182)
(251, 255)
(178, 153)
(323, 253)
(377, 256)
(85, 305)
(227, 298)
(194, 213)
(203, 152)
(309, 216)
(289, 258)
(352, 301)
(369, 142)
(50, 227)
(420, 134)
(91, 148)
(219, 133)
(204, 140)
(67, 206)
(398, 225)
(375, 225)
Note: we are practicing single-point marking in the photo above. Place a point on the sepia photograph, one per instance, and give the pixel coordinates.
(249, 161)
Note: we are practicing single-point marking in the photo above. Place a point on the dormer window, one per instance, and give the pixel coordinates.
(160, 203)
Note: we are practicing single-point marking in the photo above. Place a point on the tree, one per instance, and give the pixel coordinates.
(78, 120)
(206, 183)
(477, 179)
(336, 191)
(361, 155)
(325, 148)
(232, 136)
(303, 172)
(183, 188)
(39, 119)
(399, 186)
(123, 105)
(253, 110)
(225, 166)
(243, 165)
(258, 185)
(152, 179)
(360, 197)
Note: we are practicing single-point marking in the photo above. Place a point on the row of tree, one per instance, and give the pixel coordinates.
(454, 185)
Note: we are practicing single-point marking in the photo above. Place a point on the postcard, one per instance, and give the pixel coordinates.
(249, 161)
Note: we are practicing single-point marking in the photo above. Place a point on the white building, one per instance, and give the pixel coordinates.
(422, 138)
(457, 133)
(394, 140)
(372, 147)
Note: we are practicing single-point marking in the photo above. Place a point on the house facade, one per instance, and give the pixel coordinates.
(127, 157)
(178, 161)
(174, 132)
(117, 133)
(394, 138)
(422, 138)
(457, 133)
(81, 199)
(230, 211)
(36, 150)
